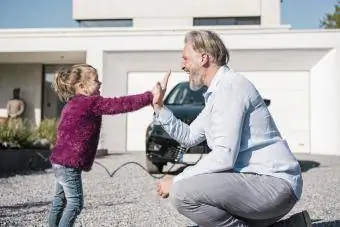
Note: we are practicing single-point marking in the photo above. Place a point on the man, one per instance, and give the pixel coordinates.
(250, 178)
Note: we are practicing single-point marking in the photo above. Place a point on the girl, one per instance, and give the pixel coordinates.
(78, 135)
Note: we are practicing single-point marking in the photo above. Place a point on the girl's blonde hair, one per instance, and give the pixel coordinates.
(65, 80)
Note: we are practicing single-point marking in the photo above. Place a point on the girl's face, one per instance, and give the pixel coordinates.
(92, 85)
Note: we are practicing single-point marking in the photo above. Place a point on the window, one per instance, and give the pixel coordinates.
(208, 21)
(181, 94)
(106, 23)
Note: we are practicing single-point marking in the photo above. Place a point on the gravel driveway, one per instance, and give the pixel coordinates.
(129, 198)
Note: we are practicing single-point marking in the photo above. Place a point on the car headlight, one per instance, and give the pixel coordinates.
(152, 125)
(154, 120)
(152, 146)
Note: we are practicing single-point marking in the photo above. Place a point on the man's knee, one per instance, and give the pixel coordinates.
(181, 198)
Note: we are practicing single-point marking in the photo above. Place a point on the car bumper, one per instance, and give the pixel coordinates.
(160, 148)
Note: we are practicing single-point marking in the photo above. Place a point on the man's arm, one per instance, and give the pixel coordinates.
(184, 134)
(227, 118)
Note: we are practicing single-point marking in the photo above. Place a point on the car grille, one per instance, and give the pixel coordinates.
(173, 153)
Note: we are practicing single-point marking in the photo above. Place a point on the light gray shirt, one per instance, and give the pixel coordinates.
(239, 130)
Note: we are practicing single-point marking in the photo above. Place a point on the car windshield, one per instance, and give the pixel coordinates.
(181, 94)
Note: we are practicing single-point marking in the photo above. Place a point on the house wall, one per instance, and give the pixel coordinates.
(176, 13)
(324, 100)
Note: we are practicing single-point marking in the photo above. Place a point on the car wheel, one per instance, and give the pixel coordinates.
(153, 167)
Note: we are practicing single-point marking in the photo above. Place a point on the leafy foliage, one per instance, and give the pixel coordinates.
(332, 20)
(22, 134)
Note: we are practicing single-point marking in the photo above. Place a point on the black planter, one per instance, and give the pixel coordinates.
(101, 153)
(18, 160)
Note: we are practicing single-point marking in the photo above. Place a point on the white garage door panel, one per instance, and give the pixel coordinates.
(289, 109)
(287, 120)
(138, 121)
(280, 80)
(289, 95)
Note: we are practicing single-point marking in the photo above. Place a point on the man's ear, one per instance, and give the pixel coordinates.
(204, 59)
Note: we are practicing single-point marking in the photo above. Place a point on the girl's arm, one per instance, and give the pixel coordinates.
(108, 106)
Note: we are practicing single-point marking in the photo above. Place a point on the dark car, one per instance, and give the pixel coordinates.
(185, 104)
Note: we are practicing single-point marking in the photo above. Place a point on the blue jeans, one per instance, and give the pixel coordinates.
(68, 199)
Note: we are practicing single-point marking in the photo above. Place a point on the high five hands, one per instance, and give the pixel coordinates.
(159, 91)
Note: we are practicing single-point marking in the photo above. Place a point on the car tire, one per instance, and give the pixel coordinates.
(153, 167)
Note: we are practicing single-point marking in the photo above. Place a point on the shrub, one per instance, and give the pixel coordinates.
(16, 133)
(47, 130)
(22, 134)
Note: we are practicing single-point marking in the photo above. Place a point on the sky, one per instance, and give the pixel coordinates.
(300, 14)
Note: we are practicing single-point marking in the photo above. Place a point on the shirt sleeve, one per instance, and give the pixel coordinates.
(124, 104)
(186, 135)
(227, 116)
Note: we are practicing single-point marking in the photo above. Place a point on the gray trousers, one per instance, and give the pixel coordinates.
(233, 199)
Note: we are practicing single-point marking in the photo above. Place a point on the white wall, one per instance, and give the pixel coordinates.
(172, 39)
(157, 13)
(106, 9)
(325, 105)
(270, 12)
(28, 77)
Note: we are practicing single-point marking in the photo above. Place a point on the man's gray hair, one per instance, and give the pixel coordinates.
(205, 41)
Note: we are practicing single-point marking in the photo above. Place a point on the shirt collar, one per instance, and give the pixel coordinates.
(215, 80)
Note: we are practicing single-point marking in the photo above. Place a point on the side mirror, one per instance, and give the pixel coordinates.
(267, 101)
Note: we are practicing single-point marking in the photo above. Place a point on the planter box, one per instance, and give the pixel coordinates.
(101, 153)
(17, 160)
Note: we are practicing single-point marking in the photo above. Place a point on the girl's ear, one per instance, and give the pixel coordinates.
(80, 87)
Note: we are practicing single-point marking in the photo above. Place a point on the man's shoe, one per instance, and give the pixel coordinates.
(301, 219)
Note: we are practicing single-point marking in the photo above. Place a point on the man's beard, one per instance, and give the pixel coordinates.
(196, 80)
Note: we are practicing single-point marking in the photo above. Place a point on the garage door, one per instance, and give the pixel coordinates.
(289, 95)
(138, 121)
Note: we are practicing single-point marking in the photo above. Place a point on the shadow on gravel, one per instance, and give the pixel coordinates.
(335, 223)
(307, 165)
(26, 205)
(24, 173)
(19, 214)
(107, 204)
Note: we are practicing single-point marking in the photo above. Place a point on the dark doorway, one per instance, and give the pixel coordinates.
(51, 105)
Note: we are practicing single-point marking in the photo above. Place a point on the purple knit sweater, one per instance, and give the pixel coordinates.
(80, 123)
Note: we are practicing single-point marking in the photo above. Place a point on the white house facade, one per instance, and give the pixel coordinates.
(298, 70)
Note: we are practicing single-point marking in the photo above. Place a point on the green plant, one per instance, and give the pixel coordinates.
(17, 133)
(47, 130)
(332, 20)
